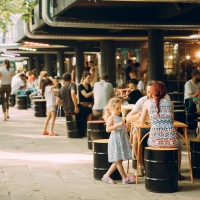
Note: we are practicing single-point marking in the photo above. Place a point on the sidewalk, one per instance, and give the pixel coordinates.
(37, 167)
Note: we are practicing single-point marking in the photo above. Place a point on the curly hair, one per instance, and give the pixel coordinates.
(158, 91)
(111, 104)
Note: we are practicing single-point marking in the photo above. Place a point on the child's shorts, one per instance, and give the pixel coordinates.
(51, 108)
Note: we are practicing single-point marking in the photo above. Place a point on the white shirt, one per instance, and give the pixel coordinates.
(190, 87)
(139, 104)
(140, 85)
(102, 94)
(16, 85)
(49, 96)
(6, 75)
(15, 77)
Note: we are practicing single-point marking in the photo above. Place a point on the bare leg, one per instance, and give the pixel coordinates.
(47, 121)
(5, 117)
(90, 117)
(112, 168)
(53, 117)
(121, 169)
(7, 113)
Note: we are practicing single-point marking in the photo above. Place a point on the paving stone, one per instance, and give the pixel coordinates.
(37, 167)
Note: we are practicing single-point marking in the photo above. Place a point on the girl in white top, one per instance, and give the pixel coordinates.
(47, 91)
(6, 76)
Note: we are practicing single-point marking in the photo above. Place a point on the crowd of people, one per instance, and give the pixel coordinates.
(95, 99)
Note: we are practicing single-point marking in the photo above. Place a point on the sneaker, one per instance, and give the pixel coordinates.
(140, 171)
(128, 180)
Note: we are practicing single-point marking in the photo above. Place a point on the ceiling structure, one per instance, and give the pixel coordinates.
(125, 21)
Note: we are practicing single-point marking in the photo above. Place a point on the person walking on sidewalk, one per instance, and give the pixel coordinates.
(5, 76)
(47, 87)
(118, 146)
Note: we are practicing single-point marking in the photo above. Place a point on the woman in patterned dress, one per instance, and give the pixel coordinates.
(162, 132)
(118, 145)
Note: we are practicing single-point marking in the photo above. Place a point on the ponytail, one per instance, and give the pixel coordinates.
(7, 64)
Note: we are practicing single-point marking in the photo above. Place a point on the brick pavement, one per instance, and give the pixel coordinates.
(37, 167)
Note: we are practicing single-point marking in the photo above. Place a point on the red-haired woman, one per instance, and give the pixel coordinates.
(162, 132)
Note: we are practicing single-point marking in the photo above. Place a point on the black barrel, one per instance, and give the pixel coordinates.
(96, 130)
(195, 157)
(161, 169)
(39, 107)
(75, 126)
(101, 164)
(22, 102)
(12, 100)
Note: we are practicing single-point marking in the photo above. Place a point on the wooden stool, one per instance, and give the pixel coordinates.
(75, 126)
(12, 100)
(96, 130)
(22, 102)
(161, 169)
(39, 107)
(195, 157)
(101, 164)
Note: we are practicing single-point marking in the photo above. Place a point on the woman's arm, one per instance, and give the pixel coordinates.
(85, 94)
(144, 113)
(109, 125)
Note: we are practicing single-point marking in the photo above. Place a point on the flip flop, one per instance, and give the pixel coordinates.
(53, 134)
(108, 180)
(45, 133)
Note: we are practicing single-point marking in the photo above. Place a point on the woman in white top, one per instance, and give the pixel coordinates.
(47, 91)
(6, 76)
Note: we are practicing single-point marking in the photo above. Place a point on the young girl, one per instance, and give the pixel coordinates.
(46, 87)
(118, 145)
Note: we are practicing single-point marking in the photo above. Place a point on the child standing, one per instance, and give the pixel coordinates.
(118, 145)
(47, 87)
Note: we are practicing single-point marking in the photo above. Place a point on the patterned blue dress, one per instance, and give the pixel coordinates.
(118, 144)
(162, 132)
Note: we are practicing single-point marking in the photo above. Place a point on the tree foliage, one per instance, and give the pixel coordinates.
(11, 10)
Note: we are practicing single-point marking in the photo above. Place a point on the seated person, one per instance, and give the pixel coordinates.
(162, 133)
(135, 115)
(18, 84)
(192, 88)
(135, 74)
(56, 82)
(135, 94)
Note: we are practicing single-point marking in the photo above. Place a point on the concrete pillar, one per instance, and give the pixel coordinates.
(38, 65)
(60, 63)
(31, 65)
(155, 55)
(108, 65)
(48, 64)
(79, 63)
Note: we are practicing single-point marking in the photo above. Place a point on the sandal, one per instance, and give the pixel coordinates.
(128, 180)
(53, 134)
(108, 180)
(45, 133)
